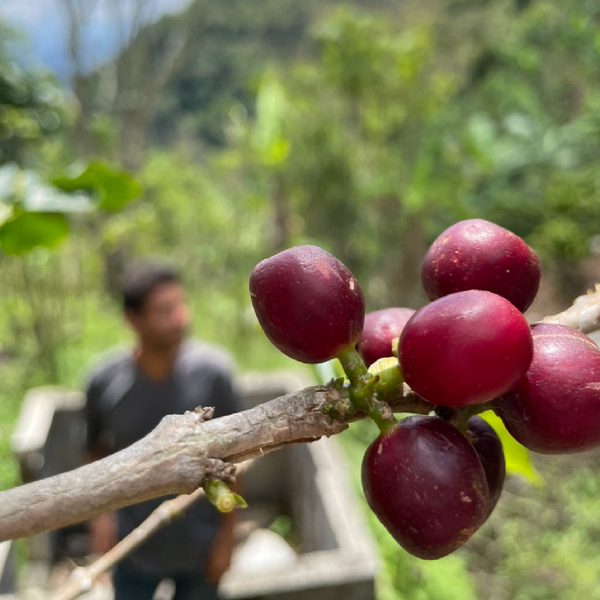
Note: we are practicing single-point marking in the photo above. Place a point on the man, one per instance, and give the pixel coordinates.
(127, 396)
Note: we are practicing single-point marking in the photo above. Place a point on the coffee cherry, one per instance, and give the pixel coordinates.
(488, 446)
(479, 255)
(308, 303)
(556, 407)
(466, 348)
(381, 327)
(426, 485)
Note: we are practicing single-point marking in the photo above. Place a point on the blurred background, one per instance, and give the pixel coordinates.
(218, 133)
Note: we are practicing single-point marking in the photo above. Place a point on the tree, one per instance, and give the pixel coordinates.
(32, 106)
(396, 127)
(122, 88)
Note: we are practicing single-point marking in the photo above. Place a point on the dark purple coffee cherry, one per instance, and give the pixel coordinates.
(465, 348)
(488, 446)
(555, 408)
(479, 255)
(308, 303)
(381, 327)
(426, 485)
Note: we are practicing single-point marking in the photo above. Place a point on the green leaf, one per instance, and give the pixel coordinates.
(28, 230)
(25, 189)
(114, 189)
(267, 135)
(516, 455)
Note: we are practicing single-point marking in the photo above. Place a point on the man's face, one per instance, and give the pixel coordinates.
(164, 317)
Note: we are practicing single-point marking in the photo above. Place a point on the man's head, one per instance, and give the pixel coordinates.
(155, 305)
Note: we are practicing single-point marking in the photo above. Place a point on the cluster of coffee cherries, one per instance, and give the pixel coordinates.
(433, 479)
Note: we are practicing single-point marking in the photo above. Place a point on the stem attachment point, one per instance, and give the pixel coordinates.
(219, 494)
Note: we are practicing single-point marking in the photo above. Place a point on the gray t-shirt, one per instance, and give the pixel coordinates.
(123, 405)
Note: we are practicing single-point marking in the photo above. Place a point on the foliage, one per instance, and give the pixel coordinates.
(393, 122)
(111, 189)
(32, 106)
(559, 517)
(232, 43)
(532, 133)
(36, 213)
(518, 459)
(27, 230)
(381, 138)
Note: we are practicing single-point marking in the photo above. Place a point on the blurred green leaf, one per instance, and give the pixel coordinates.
(27, 230)
(267, 134)
(517, 456)
(114, 189)
(25, 188)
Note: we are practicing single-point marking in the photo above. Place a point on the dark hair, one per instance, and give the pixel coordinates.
(140, 279)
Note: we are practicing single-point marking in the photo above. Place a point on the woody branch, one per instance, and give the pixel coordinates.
(183, 450)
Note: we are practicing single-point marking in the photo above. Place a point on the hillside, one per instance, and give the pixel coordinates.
(225, 45)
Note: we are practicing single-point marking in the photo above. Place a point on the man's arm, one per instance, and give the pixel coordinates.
(227, 402)
(219, 558)
(102, 529)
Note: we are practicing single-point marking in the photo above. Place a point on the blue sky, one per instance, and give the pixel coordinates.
(45, 25)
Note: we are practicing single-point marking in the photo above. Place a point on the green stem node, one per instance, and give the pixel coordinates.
(219, 494)
(389, 376)
(362, 389)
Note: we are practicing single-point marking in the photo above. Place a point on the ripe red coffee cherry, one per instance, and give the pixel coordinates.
(381, 327)
(466, 348)
(479, 255)
(308, 303)
(488, 446)
(556, 408)
(426, 485)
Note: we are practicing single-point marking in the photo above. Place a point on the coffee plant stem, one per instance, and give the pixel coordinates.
(362, 389)
(219, 494)
(461, 416)
(389, 380)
